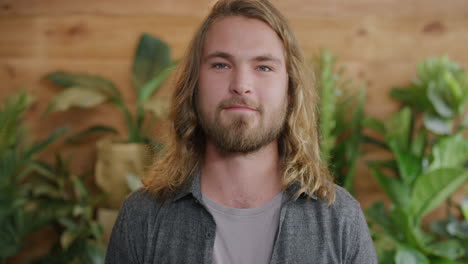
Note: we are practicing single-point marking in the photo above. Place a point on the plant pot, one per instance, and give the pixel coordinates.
(114, 162)
(106, 218)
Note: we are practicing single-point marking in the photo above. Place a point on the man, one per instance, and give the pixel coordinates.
(241, 180)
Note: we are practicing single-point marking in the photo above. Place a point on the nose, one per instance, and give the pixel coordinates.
(241, 81)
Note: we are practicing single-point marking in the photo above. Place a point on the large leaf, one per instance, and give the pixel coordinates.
(398, 128)
(409, 165)
(11, 113)
(38, 147)
(398, 193)
(80, 189)
(151, 57)
(451, 249)
(436, 97)
(84, 135)
(418, 144)
(434, 187)
(84, 81)
(450, 152)
(374, 124)
(414, 95)
(457, 83)
(437, 125)
(405, 227)
(77, 97)
(154, 84)
(377, 214)
(410, 256)
(446, 261)
(458, 229)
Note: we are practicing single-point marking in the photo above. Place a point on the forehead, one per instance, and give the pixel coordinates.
(241, 36)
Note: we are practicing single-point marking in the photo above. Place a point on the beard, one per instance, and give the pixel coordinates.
(238, 135)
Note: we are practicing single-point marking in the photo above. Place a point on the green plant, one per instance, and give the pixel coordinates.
(428, 166)
(65, 198)
(341, 115)
(151, 67)
(19, 213)
(440, 92)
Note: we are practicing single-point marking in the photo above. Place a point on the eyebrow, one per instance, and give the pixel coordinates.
(227, 56)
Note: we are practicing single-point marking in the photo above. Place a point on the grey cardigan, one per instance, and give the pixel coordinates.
(181, 230)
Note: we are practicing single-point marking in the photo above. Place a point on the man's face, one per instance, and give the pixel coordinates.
(242, 91)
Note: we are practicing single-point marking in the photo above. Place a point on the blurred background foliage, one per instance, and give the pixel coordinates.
(35, 194)
(340, 120)
(426, 139)
(430, 160)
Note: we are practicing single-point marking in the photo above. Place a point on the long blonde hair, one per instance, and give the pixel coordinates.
(299, 141)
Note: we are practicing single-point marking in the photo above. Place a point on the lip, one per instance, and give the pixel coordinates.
(240, 107)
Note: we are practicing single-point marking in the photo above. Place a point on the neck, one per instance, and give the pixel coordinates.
(241, 180)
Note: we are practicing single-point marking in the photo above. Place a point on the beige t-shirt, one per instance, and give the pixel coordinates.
(244, 236)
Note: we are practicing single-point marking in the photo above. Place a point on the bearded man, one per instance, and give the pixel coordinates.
(242, 180)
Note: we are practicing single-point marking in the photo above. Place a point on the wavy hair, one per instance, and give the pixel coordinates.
(298, 143)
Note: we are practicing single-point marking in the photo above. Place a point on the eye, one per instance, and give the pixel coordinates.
(264, 68)
(219, 66)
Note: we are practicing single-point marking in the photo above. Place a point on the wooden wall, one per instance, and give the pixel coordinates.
(379, 43)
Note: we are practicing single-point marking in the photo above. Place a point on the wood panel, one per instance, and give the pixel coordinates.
(380, 52)
(363, 39)
(378, 42)
(291, 8)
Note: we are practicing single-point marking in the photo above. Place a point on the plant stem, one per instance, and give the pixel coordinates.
(132, 136)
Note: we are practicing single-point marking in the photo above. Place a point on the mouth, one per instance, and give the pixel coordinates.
(237, 107)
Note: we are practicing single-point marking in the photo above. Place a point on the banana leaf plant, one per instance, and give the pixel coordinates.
(340, 121)
(151, 67)
(429, 165)
(19, 211)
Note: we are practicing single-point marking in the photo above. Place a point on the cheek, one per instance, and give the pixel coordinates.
(209, 83)
(210, 93)
(275, 91)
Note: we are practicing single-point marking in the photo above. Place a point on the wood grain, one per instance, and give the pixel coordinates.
(291, 8)
(378, 42)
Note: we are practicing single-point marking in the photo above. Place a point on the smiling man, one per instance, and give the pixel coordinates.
(241, 180)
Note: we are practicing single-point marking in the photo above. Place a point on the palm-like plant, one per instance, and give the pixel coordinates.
(341, 116)
(19, 214)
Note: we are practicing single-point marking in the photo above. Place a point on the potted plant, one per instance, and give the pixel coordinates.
(117, 159)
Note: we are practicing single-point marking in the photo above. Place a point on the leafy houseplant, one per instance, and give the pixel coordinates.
(151, 67)
(65, 198)
(440, 93)
(430, 163)
(341, 115)
(19, 211)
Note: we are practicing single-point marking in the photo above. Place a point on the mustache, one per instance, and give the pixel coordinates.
(240, 101)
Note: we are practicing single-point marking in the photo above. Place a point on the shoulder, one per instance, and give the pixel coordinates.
(344, 210)
(141, 202)
(344, 201)
(345, 207)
